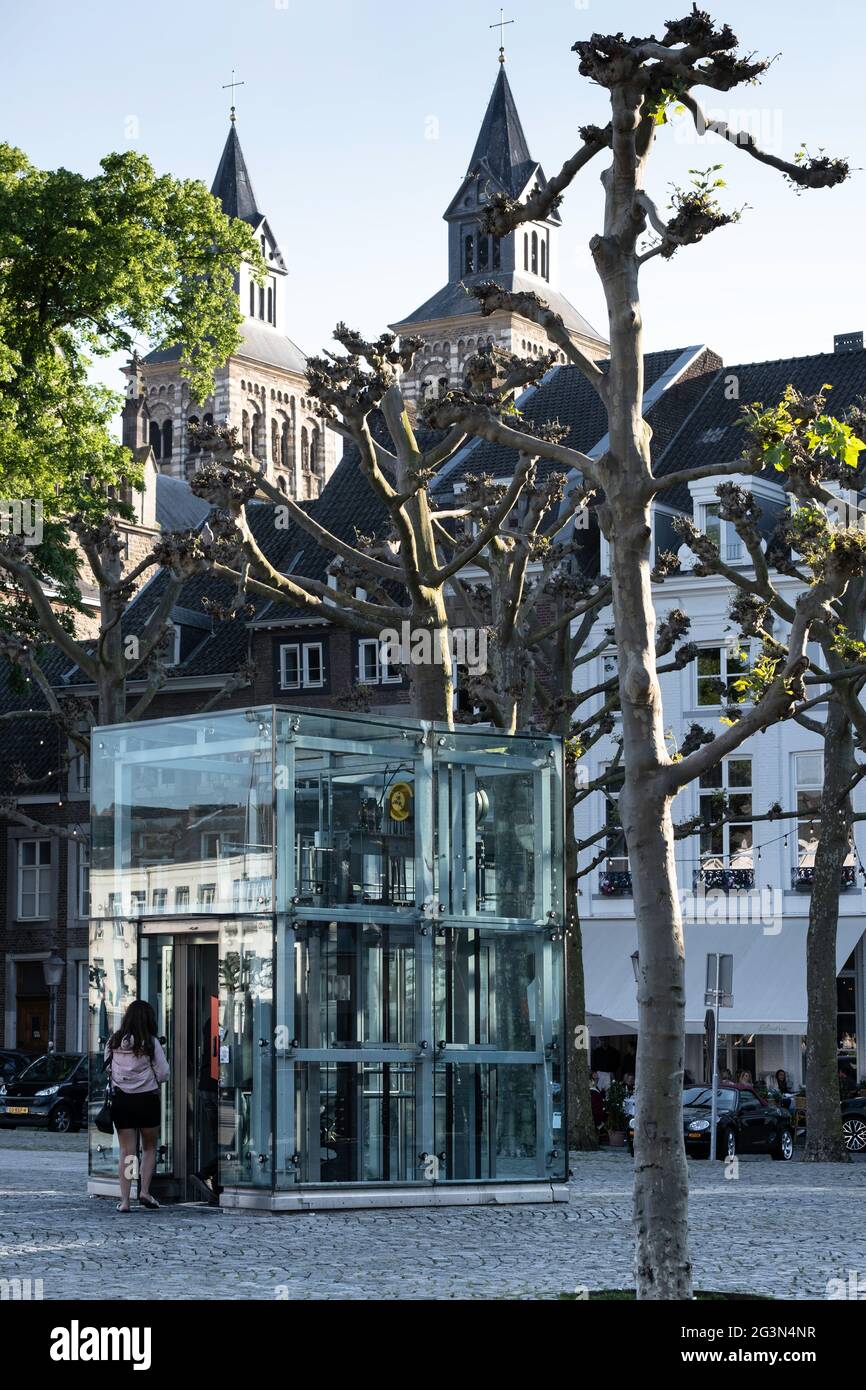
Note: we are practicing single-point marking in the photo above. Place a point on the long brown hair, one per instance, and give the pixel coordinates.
(139, 1023)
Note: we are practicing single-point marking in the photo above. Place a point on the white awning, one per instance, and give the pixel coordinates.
(769, 972)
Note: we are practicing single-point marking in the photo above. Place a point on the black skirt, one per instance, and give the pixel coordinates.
(139, 1110)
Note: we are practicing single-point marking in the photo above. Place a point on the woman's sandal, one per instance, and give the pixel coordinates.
(149, 1203)
(125, 1210)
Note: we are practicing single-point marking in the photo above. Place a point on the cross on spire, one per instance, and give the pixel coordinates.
(500, 25)
(232, 84)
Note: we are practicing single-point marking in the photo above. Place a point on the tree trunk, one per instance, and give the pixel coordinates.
(824, 1121)
(662, 1261)
(662, 1266)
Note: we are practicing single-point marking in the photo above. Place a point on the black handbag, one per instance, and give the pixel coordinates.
(102, 1119)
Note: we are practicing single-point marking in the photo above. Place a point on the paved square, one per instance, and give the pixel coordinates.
(781, 1228)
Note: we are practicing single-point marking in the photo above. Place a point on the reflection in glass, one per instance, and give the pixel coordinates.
(246, 1033)
(356, 1122)
(354, 984)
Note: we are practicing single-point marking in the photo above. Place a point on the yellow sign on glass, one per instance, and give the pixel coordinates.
(400, 801)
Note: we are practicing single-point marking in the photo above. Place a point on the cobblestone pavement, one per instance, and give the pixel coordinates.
(780, 1229)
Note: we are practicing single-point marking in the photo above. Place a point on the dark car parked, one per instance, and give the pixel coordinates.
(12, 1062)
(52, 1091)
(746, 1124)
(854, 1124)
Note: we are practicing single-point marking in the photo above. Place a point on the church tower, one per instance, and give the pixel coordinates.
(526, 259)
(262, 388)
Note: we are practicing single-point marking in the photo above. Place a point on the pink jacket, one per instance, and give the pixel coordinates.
(133, 1073)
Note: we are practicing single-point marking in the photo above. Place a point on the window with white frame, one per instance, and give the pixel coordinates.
(206, 895)
(808, 781)
(373, 667)
(616, 854)
(725, 800)
(181, 899)
(34, 879)
(137, 902)
(302, 665)
(210, 845)
(173, 657)
(83, 870)
(722, 533)
(720, 671)
(158, 899)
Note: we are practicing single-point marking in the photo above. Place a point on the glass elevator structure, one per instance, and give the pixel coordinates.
(351, 930)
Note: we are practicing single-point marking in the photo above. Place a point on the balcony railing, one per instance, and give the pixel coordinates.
(615, 883)
(803, 877)
(725, 879)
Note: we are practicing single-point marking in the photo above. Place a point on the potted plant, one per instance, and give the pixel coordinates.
(617, 1121)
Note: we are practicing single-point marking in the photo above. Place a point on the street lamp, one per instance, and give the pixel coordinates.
(719, 994)
(53, 968)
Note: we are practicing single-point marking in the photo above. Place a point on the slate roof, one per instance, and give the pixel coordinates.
(260, 342)
(453, 301)
(713, 430)
(564, 395)
(177, 508)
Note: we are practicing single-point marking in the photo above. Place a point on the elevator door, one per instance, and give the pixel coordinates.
(202, 1069)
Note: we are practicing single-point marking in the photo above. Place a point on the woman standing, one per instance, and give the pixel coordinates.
(137, 1068)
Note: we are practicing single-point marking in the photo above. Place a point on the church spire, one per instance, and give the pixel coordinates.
(501, 148)
(232, 184)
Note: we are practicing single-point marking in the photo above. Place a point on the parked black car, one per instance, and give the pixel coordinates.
(854, 1124)
(12, 1062)
(746, 1124)
(52, 1091)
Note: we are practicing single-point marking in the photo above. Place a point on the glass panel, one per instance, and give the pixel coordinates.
(157, 986)
(354, 985)
(162, 792)
(487, 989)
(113, 986)
(487, 1122)
(246, 1034)
(356, 1122)
(354, 829)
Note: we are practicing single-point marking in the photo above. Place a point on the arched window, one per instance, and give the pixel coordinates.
(443, 385)
(207, 421)
(261, 301)
(286, 445)
(275, 441)
(315, 460)
(281, 484)
(155, 439)
(252, 303)
(535, 253)
(525, 250)
(245, 431)
(544, 258)
(166, 440)
(194, 446)
(468, 254)
(270, 304)
(497, 253)
(483, 252)
(305, 449)
(258, 442)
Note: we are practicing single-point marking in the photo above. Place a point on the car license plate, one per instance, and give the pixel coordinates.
(17, 1110)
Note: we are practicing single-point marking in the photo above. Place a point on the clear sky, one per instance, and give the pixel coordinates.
(358, 118)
